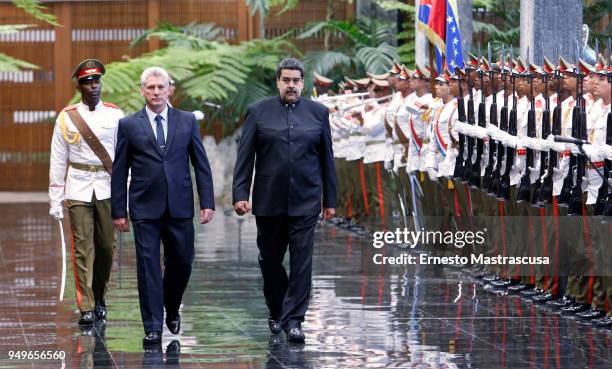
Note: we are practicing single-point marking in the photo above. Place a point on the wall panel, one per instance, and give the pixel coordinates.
(102, 30)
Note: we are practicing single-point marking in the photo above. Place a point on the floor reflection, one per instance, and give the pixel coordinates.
(362, 315)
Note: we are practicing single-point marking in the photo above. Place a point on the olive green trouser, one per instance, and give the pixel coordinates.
(342, 173)
(580, 285)
(602, 287)
(92, 249)
(380, 189)
(358, 191)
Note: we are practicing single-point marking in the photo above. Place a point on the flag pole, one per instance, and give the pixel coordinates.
(432, 56)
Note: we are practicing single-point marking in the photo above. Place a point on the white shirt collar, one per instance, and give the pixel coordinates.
(151, 114)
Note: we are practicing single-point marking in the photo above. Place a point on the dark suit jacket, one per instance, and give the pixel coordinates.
(291, 150)
(160, 178)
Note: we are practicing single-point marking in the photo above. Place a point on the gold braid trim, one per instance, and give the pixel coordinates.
(73, 138)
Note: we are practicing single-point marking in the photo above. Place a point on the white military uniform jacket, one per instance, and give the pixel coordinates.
(441, 153)
(374, 132)
(597, 119)
(67, 146)
(394, 146)
(417, 129)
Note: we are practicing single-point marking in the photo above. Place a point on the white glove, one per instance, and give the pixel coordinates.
(534, 172)
(480, 132)
(433, 175)
(510, 141)
(539, 144)
(528, 142)
(555, 146)
(198, 115)
(460, 127)
(388, 164)
(57, 212)
(574, 149)
(501, 136)
(493, 131)
(606, 151)
(593, 152)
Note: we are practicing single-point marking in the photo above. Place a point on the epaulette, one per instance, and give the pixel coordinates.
(71, 107)
(111, 105)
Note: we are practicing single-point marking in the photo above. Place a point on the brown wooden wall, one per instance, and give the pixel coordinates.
(29, 100)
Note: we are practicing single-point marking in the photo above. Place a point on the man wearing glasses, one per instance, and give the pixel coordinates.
(294, 171)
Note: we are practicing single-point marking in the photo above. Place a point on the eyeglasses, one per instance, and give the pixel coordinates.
(287, 80)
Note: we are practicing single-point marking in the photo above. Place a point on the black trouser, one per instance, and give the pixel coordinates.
(287, 297)
(154, 292)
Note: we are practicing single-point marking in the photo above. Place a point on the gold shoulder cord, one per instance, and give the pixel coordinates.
(76, 137)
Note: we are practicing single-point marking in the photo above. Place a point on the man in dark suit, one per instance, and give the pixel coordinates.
(291, 140)
(157, 144)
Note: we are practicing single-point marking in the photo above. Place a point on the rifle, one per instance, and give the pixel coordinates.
(568, 183)
(603, 196)
(604, 191)
(575, 205)
(475, 181)
(543, 194)
(524, 192)
(488, 177)
(458, 172)
(503, 125)
(467, 165)
(504, 186)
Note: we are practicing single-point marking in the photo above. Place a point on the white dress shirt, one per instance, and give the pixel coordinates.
(164, 114)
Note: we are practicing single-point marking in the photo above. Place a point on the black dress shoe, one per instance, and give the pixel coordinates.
(605, 322)
(173, 322)
(274, 326)
(573, 309)
(590, 314)
(543, 298)
(561, 302)
(100, 309)
(173, 348)
(491, 278)
(152, 338)
(87, 318)
(528, 294)
(517, 288)
(295, 334)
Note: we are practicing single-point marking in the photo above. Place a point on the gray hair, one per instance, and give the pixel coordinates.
(154, 72)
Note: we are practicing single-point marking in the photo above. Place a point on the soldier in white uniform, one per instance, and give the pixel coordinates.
(374, 132)
(418, 119)
(598, 151)
(79, 176)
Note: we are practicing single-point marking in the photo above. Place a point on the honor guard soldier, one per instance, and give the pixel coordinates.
(82, 151)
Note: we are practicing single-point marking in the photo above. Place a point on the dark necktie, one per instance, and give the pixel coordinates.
(159, 129)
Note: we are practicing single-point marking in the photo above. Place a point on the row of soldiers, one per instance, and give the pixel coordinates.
(476, 150)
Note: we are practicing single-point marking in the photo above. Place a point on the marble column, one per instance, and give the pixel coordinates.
(550, 28)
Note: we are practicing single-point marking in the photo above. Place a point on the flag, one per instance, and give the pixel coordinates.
(424, 24)
(424, 9)
(436, 25)
(453, 50)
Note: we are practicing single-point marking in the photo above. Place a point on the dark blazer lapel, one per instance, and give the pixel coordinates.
(146, 126)
(172, 123)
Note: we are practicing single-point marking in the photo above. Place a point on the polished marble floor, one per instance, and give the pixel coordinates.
(362, 315)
